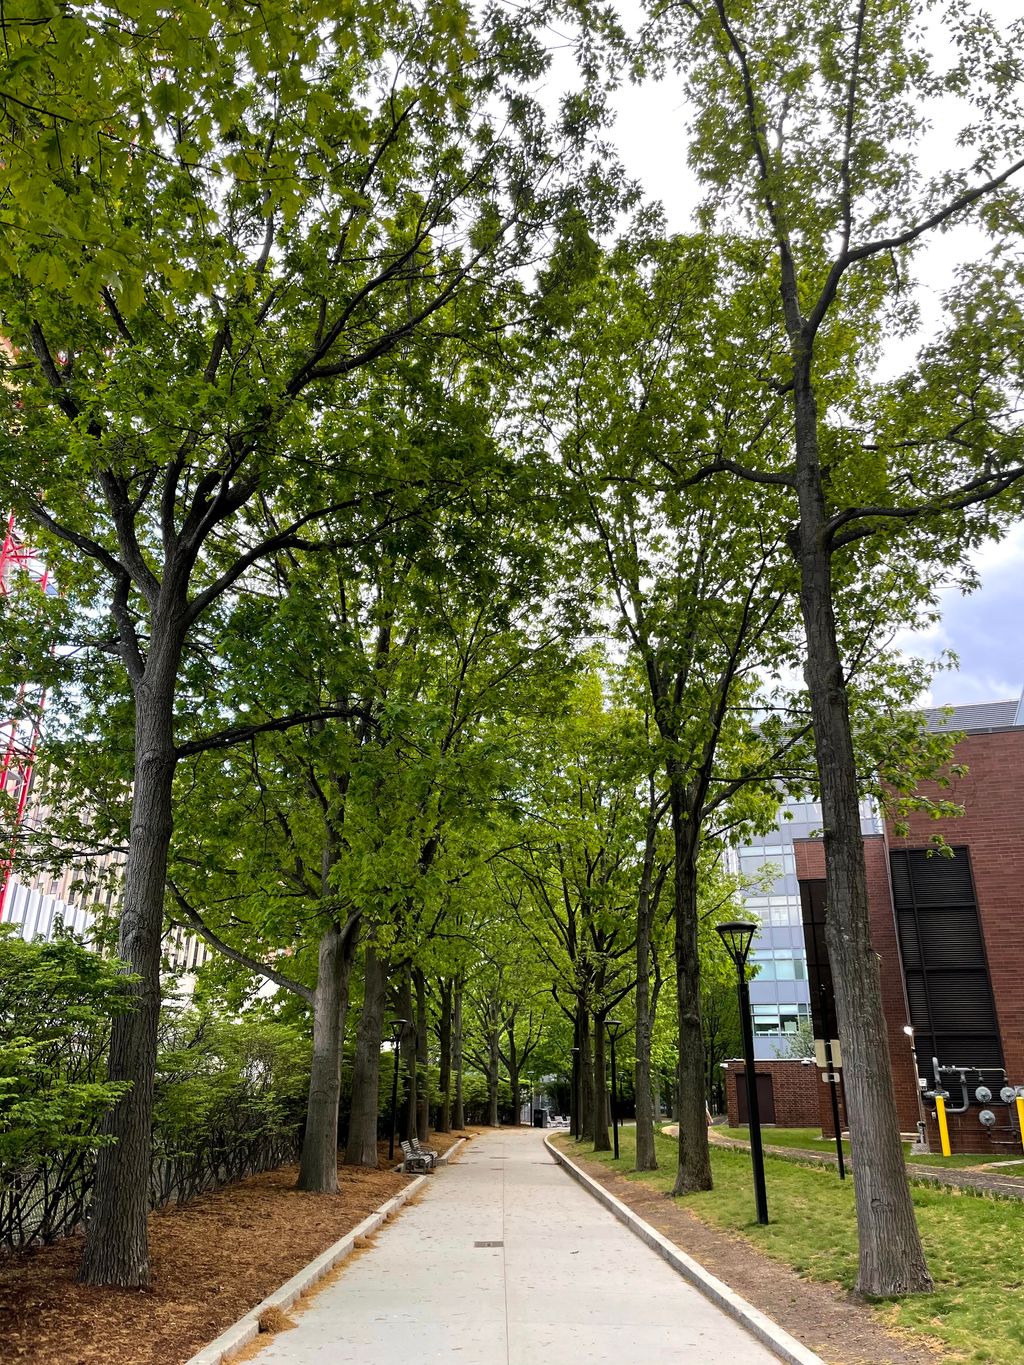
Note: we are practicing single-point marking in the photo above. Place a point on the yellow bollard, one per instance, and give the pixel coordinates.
(940, 1114)
(1020, 1117)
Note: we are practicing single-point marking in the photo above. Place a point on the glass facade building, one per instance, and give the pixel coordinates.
(779, 993)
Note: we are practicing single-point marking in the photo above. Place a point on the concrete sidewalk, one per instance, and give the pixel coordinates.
(506, 1261)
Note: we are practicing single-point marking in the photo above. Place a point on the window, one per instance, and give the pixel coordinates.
(766, 1020)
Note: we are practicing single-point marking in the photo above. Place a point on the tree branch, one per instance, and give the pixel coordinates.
(252, 964)
(241, 734)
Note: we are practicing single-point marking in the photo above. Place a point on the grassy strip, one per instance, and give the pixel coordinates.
(810, 1140)
(975, 1246)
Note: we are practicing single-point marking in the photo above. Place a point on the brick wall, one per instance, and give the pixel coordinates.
(992, 827)
(795, 1088)
(966, 1134)
(810, 866)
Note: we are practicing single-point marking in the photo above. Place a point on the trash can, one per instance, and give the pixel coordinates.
(540, 1118)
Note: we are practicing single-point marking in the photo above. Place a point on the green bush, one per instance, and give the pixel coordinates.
(230, 1091)
(56, 1003)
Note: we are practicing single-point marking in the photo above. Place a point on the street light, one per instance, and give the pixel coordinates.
(737, 936)
(575, 1105)
(397, 1025)
(614, 1027)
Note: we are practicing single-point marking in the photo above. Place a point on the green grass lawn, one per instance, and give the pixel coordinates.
(810, 1140)
(975, 1247)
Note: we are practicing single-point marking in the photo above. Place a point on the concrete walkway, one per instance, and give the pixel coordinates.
(507, 1261)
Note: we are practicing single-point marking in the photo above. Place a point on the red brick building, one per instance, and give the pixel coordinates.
(787, 1092)
(949, 933)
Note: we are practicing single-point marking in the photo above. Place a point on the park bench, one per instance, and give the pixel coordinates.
(420, 1150)
(415, 1161)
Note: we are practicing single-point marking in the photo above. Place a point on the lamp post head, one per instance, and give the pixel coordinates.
(397, 1025)
(737, 935)
(614, 1027)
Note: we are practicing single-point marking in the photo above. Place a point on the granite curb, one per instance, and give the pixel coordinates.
(758, 1324)
(247, 1328)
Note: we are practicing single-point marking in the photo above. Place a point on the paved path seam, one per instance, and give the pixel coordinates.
(247, 1328)
(768, 1332)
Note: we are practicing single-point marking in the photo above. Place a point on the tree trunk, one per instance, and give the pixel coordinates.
(422, 1059)
(116, 1244)
(645, 1158)
(408, 1057)
(589, 1108)
(892, 1259)
(318, 1167)
(513, 1063)
(361, 1149)
(694, 1170)
(493, 1077)
(602, 1142)
(444, 1124)
(513, 1081)
(458, 1111)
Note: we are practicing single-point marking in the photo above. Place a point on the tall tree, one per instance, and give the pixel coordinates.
(292, 201)
(809, 119)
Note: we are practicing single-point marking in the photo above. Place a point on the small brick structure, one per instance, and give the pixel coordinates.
(794, 1083)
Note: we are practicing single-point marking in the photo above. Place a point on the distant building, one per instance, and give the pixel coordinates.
(780, 992)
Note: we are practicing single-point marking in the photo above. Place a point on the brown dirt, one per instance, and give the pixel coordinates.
(823, 1317)
(212, 1260)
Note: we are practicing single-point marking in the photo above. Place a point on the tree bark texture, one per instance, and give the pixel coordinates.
(422, 1059)
(318, 1166)
(458, 1110)
(588, 1107)
(407, 1053)
(361, 1148)
(116, 1244)
(444, 1122)
(892, 1259)
(493, 1075)
(645, 1158)
(602, 1142)
(694, 1170)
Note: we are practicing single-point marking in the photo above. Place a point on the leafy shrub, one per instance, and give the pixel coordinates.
(56, 1003)
(230, 1091)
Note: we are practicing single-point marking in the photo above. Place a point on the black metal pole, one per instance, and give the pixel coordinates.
(753, 1111)
(394, 1101)
(615, 1106)
(834, 1092)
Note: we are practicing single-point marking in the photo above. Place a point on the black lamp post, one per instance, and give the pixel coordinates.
(614, 1027)
(575, 1104)
(397, 1025)
(737, 937)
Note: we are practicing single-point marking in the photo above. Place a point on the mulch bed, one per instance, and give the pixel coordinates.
(823, 1317)
(212, 1260)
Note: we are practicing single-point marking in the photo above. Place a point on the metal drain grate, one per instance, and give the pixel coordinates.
(488, 1244)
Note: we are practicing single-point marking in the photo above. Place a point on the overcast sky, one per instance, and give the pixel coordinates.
(986, 629)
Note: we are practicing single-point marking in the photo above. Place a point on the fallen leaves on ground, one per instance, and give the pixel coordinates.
(212, 1261)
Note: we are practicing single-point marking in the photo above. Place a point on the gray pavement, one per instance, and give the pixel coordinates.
(563, 1283)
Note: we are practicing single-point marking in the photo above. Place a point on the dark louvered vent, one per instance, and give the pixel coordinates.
(948, 986)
